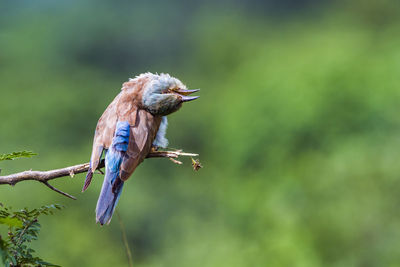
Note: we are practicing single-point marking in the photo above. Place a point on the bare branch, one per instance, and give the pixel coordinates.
(45, 176)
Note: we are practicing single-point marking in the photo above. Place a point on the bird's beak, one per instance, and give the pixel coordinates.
(186, 92)
(189, 98)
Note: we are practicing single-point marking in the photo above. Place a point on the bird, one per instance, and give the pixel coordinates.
(134, 124)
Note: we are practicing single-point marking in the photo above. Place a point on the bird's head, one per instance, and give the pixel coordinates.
(163, 94)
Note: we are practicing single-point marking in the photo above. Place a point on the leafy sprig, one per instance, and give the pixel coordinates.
(23, 227)
(15, 155)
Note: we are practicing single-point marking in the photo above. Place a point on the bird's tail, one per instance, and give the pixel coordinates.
(109, 196)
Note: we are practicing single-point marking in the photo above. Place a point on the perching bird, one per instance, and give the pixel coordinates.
(128, 129)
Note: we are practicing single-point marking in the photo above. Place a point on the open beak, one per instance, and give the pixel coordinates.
(189, 98)
(184, 94)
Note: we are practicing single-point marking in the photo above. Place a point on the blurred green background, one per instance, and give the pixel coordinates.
(297, 126)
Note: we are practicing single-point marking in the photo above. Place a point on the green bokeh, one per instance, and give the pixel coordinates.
(298, 128)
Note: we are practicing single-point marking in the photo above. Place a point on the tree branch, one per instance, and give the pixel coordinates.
(45, 176)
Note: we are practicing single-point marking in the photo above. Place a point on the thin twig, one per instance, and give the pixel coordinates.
(45, 176)
(170, 154)
(175, 161)
(59, 191)
(125, 240)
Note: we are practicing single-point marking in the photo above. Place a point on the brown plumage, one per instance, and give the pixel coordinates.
(126, 106)
(127, 130)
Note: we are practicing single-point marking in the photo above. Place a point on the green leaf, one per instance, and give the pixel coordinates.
(14, 155)
(11, 222)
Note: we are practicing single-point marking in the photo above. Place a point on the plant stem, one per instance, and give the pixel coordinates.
(125, 240)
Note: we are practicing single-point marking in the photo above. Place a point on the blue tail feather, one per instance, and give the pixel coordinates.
(112, 185)
(108, 198)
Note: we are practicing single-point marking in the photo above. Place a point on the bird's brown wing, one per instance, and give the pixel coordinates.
(142, 135)
(102, 137)
(104, 131)
(123, 108)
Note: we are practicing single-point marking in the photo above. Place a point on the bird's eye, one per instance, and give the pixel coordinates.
(171, 90)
